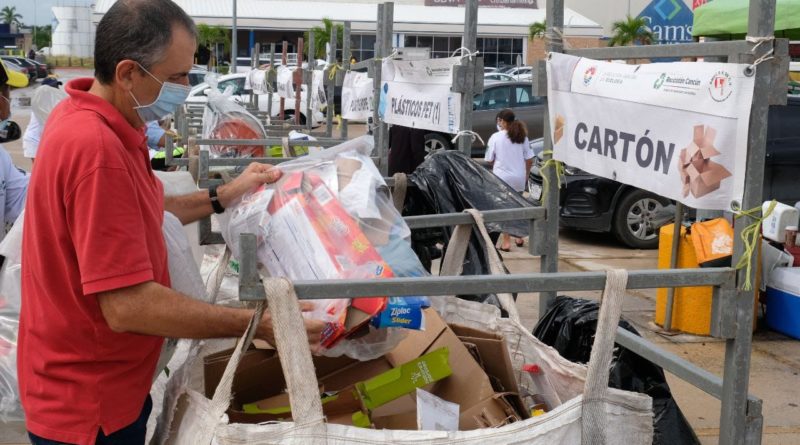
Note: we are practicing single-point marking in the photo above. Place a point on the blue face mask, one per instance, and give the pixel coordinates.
(171, 96)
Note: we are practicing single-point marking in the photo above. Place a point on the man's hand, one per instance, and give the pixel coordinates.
(254, 176)
(314, 328)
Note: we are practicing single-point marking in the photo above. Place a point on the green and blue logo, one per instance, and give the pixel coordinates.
(670, 21)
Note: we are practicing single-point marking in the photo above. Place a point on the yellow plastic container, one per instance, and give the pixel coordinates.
(691, 310)
(691, 307)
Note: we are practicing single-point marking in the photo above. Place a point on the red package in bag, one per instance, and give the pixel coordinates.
(311, 236)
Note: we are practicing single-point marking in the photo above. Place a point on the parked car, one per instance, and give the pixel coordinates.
(197, 75)
(515, 95)
(198, 95)
(521, 72)
(20, 69)
(28, 64)
(41, 69)
(634, 216)
(498, 77)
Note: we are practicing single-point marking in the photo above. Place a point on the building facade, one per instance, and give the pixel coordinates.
(434, 24)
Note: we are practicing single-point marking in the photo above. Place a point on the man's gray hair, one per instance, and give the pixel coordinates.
(139, 30)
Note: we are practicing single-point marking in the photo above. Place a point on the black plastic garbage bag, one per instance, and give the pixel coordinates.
(450, 182)
(569, 327)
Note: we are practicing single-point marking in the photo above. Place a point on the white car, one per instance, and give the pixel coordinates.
(498, 77)
(242, 96)
(521, 73)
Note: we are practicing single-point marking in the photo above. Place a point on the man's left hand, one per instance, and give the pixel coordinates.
(254, 176)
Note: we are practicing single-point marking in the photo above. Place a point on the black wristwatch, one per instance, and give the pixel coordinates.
(215, 204)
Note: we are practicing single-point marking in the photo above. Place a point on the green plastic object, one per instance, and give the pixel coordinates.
(405, 379)
(727, 19)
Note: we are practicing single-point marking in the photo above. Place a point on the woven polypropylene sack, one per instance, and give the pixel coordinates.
(628, 415)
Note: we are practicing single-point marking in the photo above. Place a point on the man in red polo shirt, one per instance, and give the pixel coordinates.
(96, 301)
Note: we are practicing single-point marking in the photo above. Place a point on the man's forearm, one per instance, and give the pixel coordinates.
(152, 309)
(196, 205)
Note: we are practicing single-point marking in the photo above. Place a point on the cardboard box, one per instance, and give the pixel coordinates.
(306, 217)
(260, 377)
(699, 174)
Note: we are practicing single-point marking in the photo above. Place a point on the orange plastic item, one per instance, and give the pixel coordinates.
(712, 240)
(230, 127)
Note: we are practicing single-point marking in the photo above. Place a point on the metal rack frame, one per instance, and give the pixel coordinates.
(732, 314)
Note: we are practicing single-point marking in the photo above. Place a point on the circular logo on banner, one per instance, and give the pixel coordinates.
(589, 74)
(721, 86)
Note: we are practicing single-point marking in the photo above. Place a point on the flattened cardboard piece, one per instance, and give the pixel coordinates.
(699, 133)
(709, 136)
(693, 172)
(496, 362)
(709, 151)
(492, 412)
(345, 168)
(691, 150)
(714, 172)
(559, 128)
(699, 188)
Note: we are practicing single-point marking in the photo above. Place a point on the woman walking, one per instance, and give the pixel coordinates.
(510, 155)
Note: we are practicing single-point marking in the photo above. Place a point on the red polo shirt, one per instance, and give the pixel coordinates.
(92, 224)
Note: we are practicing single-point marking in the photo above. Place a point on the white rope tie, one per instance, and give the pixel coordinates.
(470, 133)
(465, 53)
(758, 41)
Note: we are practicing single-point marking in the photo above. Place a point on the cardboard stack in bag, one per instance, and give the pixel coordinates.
(478, 376)
(699, 174)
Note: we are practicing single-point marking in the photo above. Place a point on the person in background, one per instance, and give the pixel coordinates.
(96, 296)
(33, 133)
(511, 157)
(13, 181)
(406, 149)
(32, 54)
(156, 132)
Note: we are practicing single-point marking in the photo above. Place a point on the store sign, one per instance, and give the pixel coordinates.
(676, 129)
(530, 4)
(357, 96)
(670, 20)
(417, 94)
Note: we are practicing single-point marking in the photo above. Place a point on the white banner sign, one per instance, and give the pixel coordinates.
(416, 93)
(284, 81)
(677, 129)
(356, 96)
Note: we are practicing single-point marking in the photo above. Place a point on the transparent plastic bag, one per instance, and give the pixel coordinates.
(10, 293)
(223, 118)
(330, 216)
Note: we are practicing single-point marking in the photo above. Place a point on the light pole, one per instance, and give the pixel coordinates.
(234, 50)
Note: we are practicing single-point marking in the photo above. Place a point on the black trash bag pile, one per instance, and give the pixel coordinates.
(569, 327)
(450, 182)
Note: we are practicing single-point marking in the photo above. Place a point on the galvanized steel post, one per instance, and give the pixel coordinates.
(736, 382)
(549, 249)
(346, 53)
(469, 42)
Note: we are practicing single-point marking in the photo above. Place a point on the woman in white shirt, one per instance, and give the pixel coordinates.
(510, 155)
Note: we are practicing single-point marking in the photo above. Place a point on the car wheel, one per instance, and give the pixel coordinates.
(434, 143)
(639, 216)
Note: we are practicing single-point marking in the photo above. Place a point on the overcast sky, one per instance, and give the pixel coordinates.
(42, 12)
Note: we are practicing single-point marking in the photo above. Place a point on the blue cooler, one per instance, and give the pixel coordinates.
(783, 301)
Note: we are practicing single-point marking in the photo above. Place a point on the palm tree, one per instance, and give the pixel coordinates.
(322, 36)
(537, 30)
(631, 31)
(10, 16)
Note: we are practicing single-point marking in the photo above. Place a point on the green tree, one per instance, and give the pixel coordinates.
(10, 15)
(42, 36)
(631, 31)
(537, 30)
(322, 36)
(210, 36)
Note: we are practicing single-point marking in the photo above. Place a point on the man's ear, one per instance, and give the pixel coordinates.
(125, 72)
